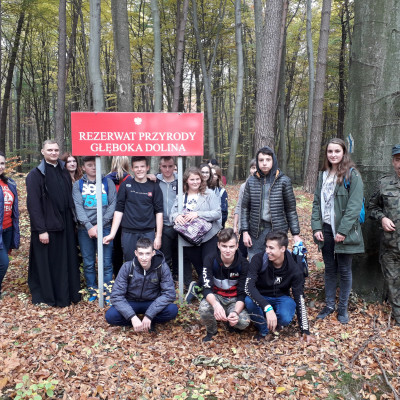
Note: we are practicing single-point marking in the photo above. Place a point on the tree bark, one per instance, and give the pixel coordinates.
(267, 80)
(180, 56)
(94, 56)
(122, 55)
(311, 77)
(61, 75)
(342, 66)
(239, 92)
(10, 72)
(310, 178)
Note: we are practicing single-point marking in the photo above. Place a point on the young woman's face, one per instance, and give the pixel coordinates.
(2, 164)
(205, 173)
(71, 164)
(194, 182)
(334, 153)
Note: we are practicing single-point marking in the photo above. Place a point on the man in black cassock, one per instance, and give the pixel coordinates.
(53, 274)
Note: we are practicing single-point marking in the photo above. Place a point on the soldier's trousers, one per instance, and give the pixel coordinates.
(390, 263)
(206, 312)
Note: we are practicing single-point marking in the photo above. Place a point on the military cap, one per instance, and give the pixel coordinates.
(396, 149)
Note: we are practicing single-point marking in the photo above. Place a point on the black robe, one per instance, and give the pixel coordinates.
(53, 274)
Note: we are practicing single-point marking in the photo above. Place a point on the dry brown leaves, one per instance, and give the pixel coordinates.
(91, 360)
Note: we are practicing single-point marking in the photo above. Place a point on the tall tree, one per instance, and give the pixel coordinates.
(271, 40)
(310, 178)
(239, 91)
(10, 72)
(94, 56)
(61, 75)
(372, 122)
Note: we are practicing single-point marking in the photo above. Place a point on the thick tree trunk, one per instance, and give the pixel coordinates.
(372, 120)
(61, 75)
(122, 55)
(310, 178)
(94, 56)
(311, 83)
(239, 92)
(268, 77)
(7, 88)
(179, 56)
(258, 26)
(342, 66)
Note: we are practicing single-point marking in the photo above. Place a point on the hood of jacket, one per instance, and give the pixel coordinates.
(113, 176)
(271, 174)
(235, 262)
(156, 261)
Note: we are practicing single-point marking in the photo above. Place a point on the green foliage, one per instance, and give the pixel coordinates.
(35, 391)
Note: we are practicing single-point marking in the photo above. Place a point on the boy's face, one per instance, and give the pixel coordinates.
(90, 169)
(396, 164)
(228, 250)
(51, 152)
(167, 168)
(265, 162)
(140, 169)
(144, 256)
(253, 170)
(276, 253)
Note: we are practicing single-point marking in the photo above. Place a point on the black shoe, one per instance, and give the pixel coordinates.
(232, 328)
(259, 338)
(325, 312)
(193, 291)
(342, 315)
(209, 337)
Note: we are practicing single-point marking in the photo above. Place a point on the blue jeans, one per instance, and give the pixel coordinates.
(284, 307)
(334, 263)
(113, 317)
(88, 249)
(128, 242)
(4, 260)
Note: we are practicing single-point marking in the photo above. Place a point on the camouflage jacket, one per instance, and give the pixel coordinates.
(385, 202)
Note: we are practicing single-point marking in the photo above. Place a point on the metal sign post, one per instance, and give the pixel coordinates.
(99, 200)
(180, 240)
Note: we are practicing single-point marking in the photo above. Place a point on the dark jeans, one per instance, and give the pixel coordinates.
(4, 260)
(118, 255)
(336, 263)
(128, 241)
(242, 247)
(196, 255)
(113, 317)
(284, 307)
(169, 247)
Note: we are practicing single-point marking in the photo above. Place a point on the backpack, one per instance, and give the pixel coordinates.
(346, 184)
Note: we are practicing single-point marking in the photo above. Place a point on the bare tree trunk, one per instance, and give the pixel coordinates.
(61, 75)
(239, 92)
(310, 178)
(258, 25)
(180, 56)
(85, 56)
(122, 55)
(269, 71)
(207, 73)
(342, 66)
(94, 56)
(7, 88)
(311, 77)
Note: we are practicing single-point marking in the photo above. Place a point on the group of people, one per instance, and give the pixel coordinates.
(251, 278)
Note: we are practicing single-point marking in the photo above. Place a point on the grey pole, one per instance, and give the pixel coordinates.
(180, 240)
(99, 198)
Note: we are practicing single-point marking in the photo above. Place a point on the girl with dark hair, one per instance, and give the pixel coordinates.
(220, 192)
(9, 218)
(72, 166)
(198, 201)
(335, 223)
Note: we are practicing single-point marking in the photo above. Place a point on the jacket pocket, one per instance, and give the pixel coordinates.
(354, 236)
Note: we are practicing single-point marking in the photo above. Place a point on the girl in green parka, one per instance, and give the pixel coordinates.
(335, 223)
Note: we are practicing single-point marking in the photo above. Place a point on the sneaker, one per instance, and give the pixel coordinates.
(233, 329)
(192, 292)
(343, 316)
(92, 299)
(209, 337)
(153, 328)
(325, 312)
(258, 337)
(107, 302)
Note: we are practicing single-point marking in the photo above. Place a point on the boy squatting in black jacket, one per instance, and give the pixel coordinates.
(271, 276)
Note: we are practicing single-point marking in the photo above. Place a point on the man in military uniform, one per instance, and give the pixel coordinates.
(384, 207)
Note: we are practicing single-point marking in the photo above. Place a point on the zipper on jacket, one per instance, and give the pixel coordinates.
(144, 274)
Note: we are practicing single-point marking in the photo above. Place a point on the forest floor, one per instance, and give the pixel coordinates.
(72, 353)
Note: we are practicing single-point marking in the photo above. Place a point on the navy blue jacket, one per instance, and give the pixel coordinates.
(14, 216)
(143, 286)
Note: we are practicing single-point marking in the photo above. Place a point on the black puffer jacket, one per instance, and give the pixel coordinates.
(281, 201)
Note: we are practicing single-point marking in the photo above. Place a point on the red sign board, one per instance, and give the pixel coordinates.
(148, 134)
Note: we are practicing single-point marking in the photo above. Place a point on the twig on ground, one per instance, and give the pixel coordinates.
(396, 396)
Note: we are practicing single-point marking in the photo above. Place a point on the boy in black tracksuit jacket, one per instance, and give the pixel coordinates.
(271, 276)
